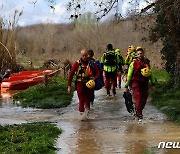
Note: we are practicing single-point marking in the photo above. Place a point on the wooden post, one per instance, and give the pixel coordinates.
(46, 80)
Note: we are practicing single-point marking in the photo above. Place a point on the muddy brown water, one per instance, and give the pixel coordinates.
(110, 129)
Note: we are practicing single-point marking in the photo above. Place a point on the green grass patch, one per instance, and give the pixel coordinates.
(161, 76)
(149, 150)
(34, 138)
(167, 98)
(40, 96)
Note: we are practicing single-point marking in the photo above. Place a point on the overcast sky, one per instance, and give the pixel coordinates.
(42, 13)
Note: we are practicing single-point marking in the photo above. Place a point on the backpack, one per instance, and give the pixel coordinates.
(120, 64)
(110, 58)
(99, 82)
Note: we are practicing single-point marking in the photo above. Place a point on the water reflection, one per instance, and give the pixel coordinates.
(86, 139)
(135, 135)
(12, 113)
(79, 138)
(6, 99)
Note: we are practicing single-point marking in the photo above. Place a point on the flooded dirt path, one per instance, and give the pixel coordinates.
(110, 129)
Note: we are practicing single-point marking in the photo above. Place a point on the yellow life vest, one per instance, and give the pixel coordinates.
(82, 72)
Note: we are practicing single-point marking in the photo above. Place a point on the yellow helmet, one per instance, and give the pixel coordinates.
(146, 72)
(90, 84)
(131, 48)
(117, 50)
(139, 48)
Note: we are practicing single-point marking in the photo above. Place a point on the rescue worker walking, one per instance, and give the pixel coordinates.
(84, 83)
(120, 64)
(139, 74)
(110, 62)
(130, 55)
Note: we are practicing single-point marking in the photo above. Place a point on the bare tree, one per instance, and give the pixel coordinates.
(7, 41)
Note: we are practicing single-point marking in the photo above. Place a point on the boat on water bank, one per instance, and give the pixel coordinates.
(25, 79)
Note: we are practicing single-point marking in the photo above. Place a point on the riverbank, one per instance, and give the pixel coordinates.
(54, 95)
(166, 98)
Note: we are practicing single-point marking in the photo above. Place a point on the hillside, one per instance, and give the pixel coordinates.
(64, 41)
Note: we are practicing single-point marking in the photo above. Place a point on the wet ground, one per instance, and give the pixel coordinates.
(110, 129)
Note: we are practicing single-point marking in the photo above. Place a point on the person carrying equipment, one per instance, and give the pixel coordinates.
(84, 83)
(99, 83)
(120, 64)
(110, 62)
(139, 74)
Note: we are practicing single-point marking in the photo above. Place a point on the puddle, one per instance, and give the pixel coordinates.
(13, 114)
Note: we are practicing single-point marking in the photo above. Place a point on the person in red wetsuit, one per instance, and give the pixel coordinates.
(80, 69)
(139, 74)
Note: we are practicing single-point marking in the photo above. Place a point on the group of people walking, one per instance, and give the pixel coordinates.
(112, 62)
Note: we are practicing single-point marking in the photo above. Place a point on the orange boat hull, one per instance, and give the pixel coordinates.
(24, 80)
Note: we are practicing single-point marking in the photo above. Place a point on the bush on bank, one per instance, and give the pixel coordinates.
(29, 138)
(54, 95)
(166, 98)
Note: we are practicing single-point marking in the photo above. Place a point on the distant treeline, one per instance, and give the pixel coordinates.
(64, 41)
